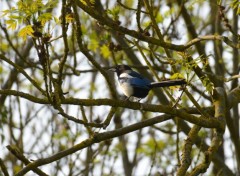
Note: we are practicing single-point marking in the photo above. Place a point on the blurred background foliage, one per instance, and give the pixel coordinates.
(42, 39)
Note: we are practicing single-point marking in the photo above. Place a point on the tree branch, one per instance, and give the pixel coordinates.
(16, 152)
(21, 70)
(204, 122)
(3, 168)
(97, 138)
(186, 154)
(219, 100)
(114, 25)
(212, 37)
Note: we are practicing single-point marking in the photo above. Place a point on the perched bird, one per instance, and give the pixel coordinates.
(134, 84)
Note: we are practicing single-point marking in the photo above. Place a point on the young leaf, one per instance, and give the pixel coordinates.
(11, 24)
(177, 76)
(24, 32)
(105, 51)
(69, 18)
(45, 18)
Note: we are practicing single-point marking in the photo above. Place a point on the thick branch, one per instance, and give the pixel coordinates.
(219, 100)
(115, 26)
(212, 37)
(15, 151)
(233, 97)
(208, 123)
(24, 95)
(94, 139)
(186, 155)
(204, 122)
(3, 168)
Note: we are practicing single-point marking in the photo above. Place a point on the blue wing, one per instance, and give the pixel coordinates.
(138, 80)
(140, 83)
(135, 80)
(135, 75)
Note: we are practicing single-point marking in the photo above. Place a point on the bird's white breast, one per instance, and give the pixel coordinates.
(126, 89)
(124, 83)
(125, 75)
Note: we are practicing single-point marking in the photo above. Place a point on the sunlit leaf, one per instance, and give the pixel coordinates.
(11, 24)
(129, 3)
(69, 18)
(45, 18)
(159, 18)
(177, 76)
(114, 12)
(21, 5)
(17, 168)
(17, 17)
(105, 51)
(208, 84)
(51, 3)
(26, 31)
(4, 46)
(93, 45)
(5, 12)
(56, 20)
(84, 2)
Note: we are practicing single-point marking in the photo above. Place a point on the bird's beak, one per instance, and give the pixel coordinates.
(112, 69)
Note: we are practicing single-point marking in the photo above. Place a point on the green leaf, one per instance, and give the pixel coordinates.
(114, 12)
(129, 3)
(45, 18)
(51, 4)
(17, 168)
(21, 5)
(30, 7)
(11, 24)
(93, 45)
(4, 47)
(24, 32)
(5, 12)
(219, 2)
(177, 76)
(105, 51)
(159, 18)
(84, 2)
(208, 84)
(236, 5)
(56, 20)
(16, 17)
(69, 18)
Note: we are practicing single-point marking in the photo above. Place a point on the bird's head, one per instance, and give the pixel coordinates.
(119, 69)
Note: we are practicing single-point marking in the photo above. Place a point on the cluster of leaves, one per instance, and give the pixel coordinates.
(235, 4)
(28, 12)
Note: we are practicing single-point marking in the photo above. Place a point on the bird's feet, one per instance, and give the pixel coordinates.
(134, 98)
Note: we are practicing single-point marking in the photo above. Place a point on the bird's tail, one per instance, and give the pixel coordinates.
(176, 82)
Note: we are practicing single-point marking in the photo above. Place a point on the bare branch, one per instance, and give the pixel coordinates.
(16, 152)
(96, 138)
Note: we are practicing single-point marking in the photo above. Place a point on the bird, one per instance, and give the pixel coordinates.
(135, 85)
